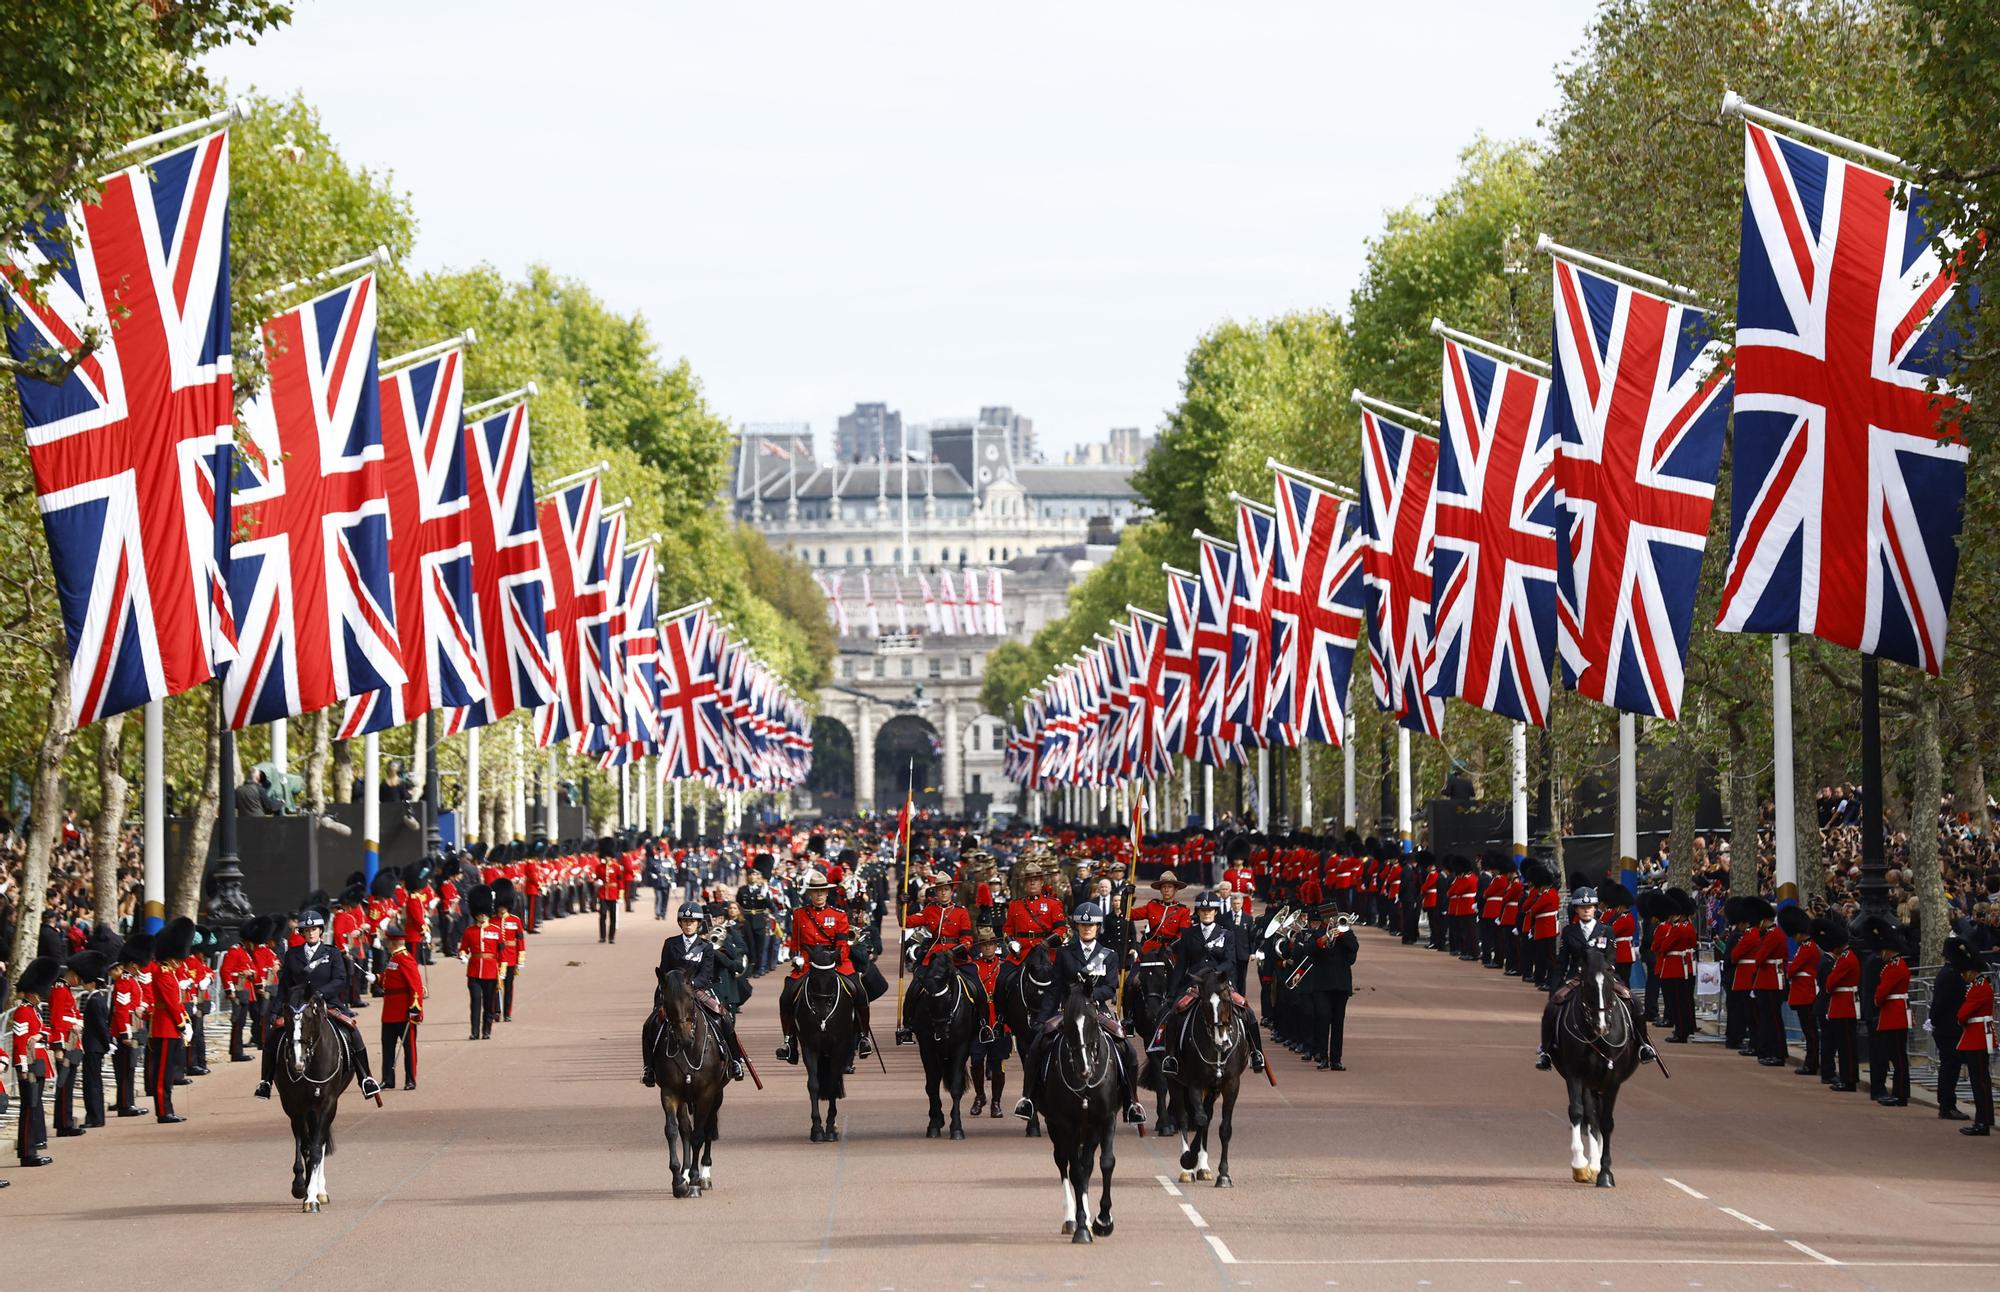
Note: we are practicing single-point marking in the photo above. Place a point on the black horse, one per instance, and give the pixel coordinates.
(1597, 1048)
(1080, 1097)
(1146, 1004)
(1021, 1000)
(312, 1071)
(691, 1067)
(824, 1020)
(946, 1009)
(1210, 1050)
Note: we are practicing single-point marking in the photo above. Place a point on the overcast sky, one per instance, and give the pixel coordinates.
(934, 204)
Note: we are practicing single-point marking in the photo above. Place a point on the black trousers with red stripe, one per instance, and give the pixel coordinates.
(163, 1068)
(406, 1034)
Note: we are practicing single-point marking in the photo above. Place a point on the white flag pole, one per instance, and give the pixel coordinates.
(468, 827)
(154, 805)
(1347, 766)
(1520, 789)
(1786, 846)
(1403, 805)
(1628, 792)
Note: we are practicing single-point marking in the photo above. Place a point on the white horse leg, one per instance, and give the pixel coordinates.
(1593, 1147)
(1186, 1176)
(1069, 1204)
(1579, 1157)
(1201, 1169)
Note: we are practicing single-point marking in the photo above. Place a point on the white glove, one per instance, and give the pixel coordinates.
(1012, 945)
(798, 962)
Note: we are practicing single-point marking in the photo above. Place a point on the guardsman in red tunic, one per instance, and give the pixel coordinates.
(1433, 906)
(610, 884)
(513, 944)
(1461, 909)
(168, 1021)
(416, 918)
(1839, 1056)
(1624, 929)
(65, 1039)
(128, 1013)
(1890, 1037)
(1768, 986)
(1544, 926)
(479, 949)
(239, 967)
(1975, 1041)
(1746, 942)
(1802, 984)
(1166, 918)
(28, 1052)
(402, 1007)
(821, 926)
(1237, 873)
(1492, 901)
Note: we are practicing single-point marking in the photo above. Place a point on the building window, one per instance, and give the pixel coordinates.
(909, 666)
(822, 556)
(868, 556)
(848, 559)
(972, 738)
(881, 666)
(937, 667)
(965, 666)
(977, 787)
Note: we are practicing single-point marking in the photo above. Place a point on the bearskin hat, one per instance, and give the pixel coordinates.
(1870, 932)
(478, 850)
(1732, 910)
(1756, 910)
(1653, 904)
(503, 893)
(1794, 921)
(1681, 901)
(480, 901)
(1615, 897)
(138, 950)
(1831, 932)
(419, 877)
(255, 931)
(1539, 872)
(384, 885)
(1961, 956)
(39, 976)
(105, 938)
(91, 966)
(175, 941)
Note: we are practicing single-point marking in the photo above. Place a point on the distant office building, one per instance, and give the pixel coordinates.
(1019, 430)
(871, 433)
(1122, 446)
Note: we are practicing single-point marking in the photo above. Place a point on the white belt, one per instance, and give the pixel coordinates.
(1900, 996)
(1847, 990)
(1983, 1018)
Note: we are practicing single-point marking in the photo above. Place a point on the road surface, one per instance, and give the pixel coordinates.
(1439, 1160)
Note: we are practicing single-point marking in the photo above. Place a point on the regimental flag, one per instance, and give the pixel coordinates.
(1640, 402)
(309, 571)
(996, 614)
(1493, 591)
(868, 605)
(430, 547)
(1179, 672)
(690, 712)
(1398, 470)
(947, 604)
(129, 449)
(1146, 641)
(1249, 673)
(509, 572)
(1212, 647)
(1848, 476)
(1315, 596)
(577, 598)
(968, 608)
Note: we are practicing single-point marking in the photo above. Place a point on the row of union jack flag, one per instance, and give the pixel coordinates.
(1554, 516)
(366, 546)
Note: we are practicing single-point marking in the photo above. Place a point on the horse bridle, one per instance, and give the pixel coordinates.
(702, 1028)
(305, 1055)
(1094, 1062)
(819, 1016)
(1233, 1034)
(1601, 1043)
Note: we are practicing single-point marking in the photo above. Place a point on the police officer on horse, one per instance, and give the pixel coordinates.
(694, 955)
(1208, 943)
(1085, 960)
(315, 969)
(1584, 932)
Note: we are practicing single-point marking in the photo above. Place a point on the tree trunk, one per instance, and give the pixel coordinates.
(1969, 774)
(1743, 813)
(114, 794)
(322, 735)
(1684, 791)
(184, 882)
(1926, 785)
(44, 827)
(343, 771)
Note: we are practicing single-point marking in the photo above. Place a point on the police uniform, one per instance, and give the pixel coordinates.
(695, 958)
(316, 969)
(1094, 966)
(1203, 948)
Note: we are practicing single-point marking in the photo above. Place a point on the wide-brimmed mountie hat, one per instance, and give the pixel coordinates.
(1167, 877)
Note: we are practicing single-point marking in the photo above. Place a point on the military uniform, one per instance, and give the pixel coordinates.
(28, 1052)
(479, 947)
(402, 1009)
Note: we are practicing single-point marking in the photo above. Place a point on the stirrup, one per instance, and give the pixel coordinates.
(863, 1047)
(1543, 1062)
(1024, 1108)
(263, 1090)
(1135, 1113)
(1256, 1060)
(1169, 1065)
(736, 1071)
(370, 1087)
(1647, 1053)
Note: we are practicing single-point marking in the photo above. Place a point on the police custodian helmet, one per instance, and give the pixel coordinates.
(691, 911)
(1087, 913)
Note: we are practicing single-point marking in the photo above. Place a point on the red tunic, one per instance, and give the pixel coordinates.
(1892, 997)
(988, 969)
(511, 939)
(1494, 904)
(128, 998)
(1843, 983)
(1463, 895)
(65, 1020)
(402, 988)
(167, 1011)
(1545, 912)
(1743, 955)
(1431, 891)
(610, 882)
(951, 924)
(1772, 950)
(480, 945)
(1976, 1014)
(1165, 920)
(822, 926)
(25, 1041)
(1031, 919)
(1625, 930)
(1239, 879)
(1803, 975)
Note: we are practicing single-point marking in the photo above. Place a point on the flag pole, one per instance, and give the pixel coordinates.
(903, 885)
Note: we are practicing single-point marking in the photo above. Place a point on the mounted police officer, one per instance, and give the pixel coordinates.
(1208, 943)
(1084, 959)
(694, 955)
(1584, 933)
(310, 969)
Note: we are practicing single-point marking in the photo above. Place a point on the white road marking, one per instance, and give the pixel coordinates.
(1564, 1260)
(1751, 1221)
(1818, 1256)
(1187, 1208)
(1222, 1252)
(1684, 1189)
(1168, 1185)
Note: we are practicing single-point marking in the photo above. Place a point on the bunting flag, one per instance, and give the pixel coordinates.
(509, 572)
(1848, 470)
(1398, 470)
(309, 570)
(430, 550)
(1249, 672)
(1315, 596)
(1640, 401)
(1213, 644)
(996, 615)
(130, 450)
(577, 598)
(1493, 595)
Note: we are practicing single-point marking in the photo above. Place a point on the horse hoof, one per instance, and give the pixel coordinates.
(680, 1190)
(933, 1132)
(832, 1135)
(818, 1135)
(299, 1189)
(1204, 1174)
(1081, 1236)
(322, 1200)
(1188, 1159)
(1186, 1177)
(1224, 1182)
(1604, 1180)
(694, 1191)
(1582, 1174)
(1033, 1131)
(1101, 1227)
(957, 1132)
(1069, 1226)
(308, 1207)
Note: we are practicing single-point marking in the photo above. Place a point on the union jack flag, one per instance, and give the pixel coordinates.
(1640, 402)
(1145, 644)
(605, 727)
(1398, 469)
(577, 599)
(1493, 591)
(1250, 624)
(309, 572)
(1212, 646)
(1180, 671)
(1315, 594)
(509, 574)
(1849, 470)
(638, 649)
(430, 550)
(690, 713)
(129, 450)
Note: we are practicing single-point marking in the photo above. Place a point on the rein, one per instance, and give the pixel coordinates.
(1602, 1043)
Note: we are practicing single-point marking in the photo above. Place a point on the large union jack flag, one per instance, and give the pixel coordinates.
(1144, 642)
(430, 550)
(309, 571)
(1212, 645)
(1398, 470)
(1848, 473)
(638, 650)
(128, 450)
(1179, 671)
(1640, 401)
(577, 599)
(1316, 595)
(690, 710)
(1249, 675)
(1493, 586)
(509, 573)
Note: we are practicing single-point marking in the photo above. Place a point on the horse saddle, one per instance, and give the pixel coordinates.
(1110, 1024)
(1560, 996)
(1186, 1001)
(706, 999)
